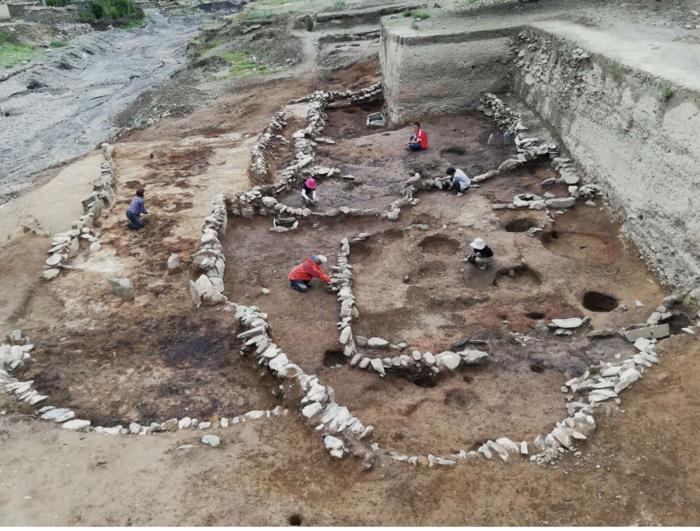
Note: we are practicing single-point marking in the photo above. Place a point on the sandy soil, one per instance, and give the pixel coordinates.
(156, 357)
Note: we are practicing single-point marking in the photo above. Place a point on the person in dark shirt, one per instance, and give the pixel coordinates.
(482, 255)
(136, 208)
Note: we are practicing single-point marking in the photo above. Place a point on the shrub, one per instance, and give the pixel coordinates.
(58, 44)
(666, 92)
(57, 3)
(109, 11)
(417, 13)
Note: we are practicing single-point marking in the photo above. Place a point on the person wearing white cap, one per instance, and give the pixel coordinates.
(300, 277)
(482, 257)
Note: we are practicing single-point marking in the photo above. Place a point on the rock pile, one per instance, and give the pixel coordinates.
(531, 149)
(342, 432)
(13, 354)
(259, 170)
(209, 259)
(344, 98)
(66, 245)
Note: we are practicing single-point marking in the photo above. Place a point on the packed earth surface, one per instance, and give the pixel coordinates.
(190, 385)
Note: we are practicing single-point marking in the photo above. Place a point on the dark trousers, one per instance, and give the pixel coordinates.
(300, 285)
(135, 222)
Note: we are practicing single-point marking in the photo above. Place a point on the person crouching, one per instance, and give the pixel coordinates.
(136, 208)
(458, 180)
(482, 257)
(308, 192)
(300, 277)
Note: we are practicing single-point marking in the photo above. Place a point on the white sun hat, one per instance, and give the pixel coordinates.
(478, 244)
(320, 259)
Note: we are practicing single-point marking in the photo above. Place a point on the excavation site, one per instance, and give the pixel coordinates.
(352, 263)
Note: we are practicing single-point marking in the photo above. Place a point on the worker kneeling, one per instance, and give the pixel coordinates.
(300, 277)
(458, 180)
(482, 257)
(308, 192)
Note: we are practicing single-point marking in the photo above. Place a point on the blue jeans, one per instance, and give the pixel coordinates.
(300, 285)
(135, 222)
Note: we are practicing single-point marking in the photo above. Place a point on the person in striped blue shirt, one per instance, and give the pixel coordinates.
(136, 208)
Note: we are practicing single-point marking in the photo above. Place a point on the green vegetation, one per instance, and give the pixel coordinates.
(243, 64)
(13, 53)
(57, 3)
(666, 92)
(58, 44)
(115, 12)
(417, 13)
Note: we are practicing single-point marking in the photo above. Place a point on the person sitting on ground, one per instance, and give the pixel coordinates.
(300, 277)
(136, 208)
(482, 257)
(308, 192)
(459, 180)
(418, 140)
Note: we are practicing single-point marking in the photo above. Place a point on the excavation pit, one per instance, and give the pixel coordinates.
(520, 225)
(599, 302)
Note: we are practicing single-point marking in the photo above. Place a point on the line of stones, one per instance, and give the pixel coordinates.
(304, 138)
(261, 199)
(603, 381)
(599, 383)
(342, 432)
(532, 149)
(419, 364)
(209, 260)
(66, 245)
(15, 353)
(259, 168)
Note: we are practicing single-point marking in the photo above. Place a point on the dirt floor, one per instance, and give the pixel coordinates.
(157, 357)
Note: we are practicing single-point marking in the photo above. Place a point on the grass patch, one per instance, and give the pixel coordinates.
(57, 3)
(243, 64)
(417, 13)
(135, 23)
(58, 44)
(12, 53)
(666, 91)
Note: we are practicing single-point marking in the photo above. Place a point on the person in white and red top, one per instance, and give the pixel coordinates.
(418, 140)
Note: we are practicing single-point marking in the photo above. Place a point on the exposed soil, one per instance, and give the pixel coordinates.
(155, 357)
(171, 367)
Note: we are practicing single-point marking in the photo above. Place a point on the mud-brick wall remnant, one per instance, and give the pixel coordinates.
(636, 133)
(433, 73)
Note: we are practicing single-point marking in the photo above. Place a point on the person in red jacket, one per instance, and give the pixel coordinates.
(418, 140)
(300, 277)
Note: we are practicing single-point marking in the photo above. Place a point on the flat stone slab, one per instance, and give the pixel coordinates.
(658, 331)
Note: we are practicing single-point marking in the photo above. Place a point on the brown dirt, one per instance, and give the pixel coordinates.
(638, 468)
(180, 365)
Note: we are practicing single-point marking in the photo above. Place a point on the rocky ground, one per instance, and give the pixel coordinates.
(155, 357)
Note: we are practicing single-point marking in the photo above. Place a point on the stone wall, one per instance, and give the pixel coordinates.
(442, 74)
(635, 133)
